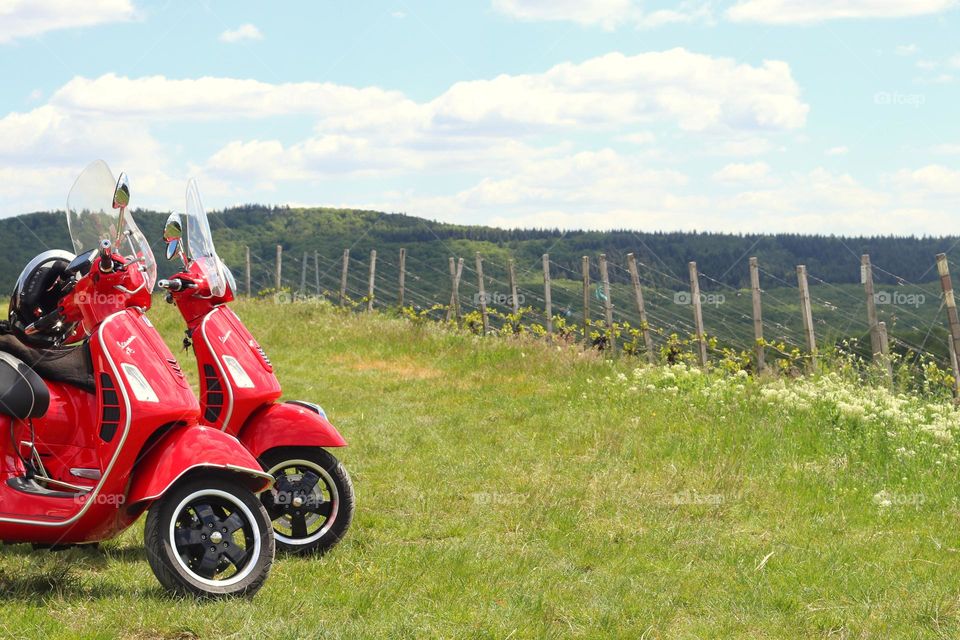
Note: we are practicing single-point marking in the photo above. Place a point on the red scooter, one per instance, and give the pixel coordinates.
(311, 503)
(98, 424)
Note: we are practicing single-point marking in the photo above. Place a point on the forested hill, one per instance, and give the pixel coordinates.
(720, 256)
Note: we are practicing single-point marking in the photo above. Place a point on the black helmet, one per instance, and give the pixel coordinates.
(37, 292)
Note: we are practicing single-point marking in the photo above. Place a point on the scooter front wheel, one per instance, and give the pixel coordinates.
(210, 537)
(312, 500)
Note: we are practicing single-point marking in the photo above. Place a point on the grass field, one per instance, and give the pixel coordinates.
(521, 490)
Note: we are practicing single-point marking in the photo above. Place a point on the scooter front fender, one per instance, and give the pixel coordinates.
(186, 449)
(288, 425)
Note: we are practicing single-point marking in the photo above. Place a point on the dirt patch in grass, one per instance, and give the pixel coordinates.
(404, 368)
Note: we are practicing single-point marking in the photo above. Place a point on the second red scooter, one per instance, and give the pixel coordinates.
(312, 501)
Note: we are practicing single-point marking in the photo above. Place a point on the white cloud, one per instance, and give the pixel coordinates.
(932, 180)
(837, 151)
(607, 14)
(813, 11)
(214, 98)
(243, 32)
(754, 172)
(696, 91)
(693, 91)
(906, 49)
(27, 18)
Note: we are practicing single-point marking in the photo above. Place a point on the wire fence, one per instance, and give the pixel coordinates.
(910, 318)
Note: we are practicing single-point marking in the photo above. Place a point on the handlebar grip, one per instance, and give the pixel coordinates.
(176, 284)
(106, 258)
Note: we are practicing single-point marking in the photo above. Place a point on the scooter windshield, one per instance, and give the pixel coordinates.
(199, 243)
(92, 218)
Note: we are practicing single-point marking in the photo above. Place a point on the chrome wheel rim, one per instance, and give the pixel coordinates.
(214, 538)
(303, 503)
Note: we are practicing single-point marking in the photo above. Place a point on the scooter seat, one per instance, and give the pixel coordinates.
(71, 365)
(23, 393)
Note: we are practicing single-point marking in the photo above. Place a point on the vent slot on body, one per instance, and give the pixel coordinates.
(110, 408)
(212, 394)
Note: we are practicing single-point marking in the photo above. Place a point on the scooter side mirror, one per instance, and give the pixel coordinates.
(173, 236)
(121, 196)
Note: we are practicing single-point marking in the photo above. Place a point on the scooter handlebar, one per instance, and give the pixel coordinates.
(176, 284)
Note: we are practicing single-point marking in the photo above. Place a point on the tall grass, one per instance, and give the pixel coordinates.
(526, 489)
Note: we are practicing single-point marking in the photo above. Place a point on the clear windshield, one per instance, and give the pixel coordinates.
(92, 218)
(134, 246)
(199, 243)
(90, 213)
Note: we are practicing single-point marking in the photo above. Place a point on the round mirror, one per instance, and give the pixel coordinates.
(173, 236)
(121, 196)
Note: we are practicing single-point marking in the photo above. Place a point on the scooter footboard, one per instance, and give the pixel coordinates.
(187, 449)
(288, 425)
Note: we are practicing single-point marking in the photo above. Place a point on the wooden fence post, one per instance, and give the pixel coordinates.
(456, 290)
(303, 275)
(249, 279)
(585, 269)
(482, 295)
(956, 367)
(371, 285)
(877, 348)
(759, 351)
(343, 276)
(514, 298)
(279, 269)
(807, 312)
(456, 270)
(697, 313)
(403, 275)
(547, 303)
(884, 356)
(943, 268)
(607, 302)
(453, 288)
(316, 271)
(641, 309)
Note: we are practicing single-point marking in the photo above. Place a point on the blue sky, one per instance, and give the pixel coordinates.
(739, 115)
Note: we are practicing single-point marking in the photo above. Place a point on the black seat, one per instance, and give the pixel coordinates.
(23, 393)
(72, 365)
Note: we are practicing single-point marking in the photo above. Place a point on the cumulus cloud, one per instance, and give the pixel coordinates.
(243, 32)
(813, 11)
(695, 91)
(27, 18)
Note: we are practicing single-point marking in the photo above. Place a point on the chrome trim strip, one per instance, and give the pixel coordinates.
(92, 496)
(223, 373)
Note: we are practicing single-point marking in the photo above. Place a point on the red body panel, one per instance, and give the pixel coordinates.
(183, 449)
(104, 435)
(245, 408)
(231, 395)
(288, 425)
(101, 294)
